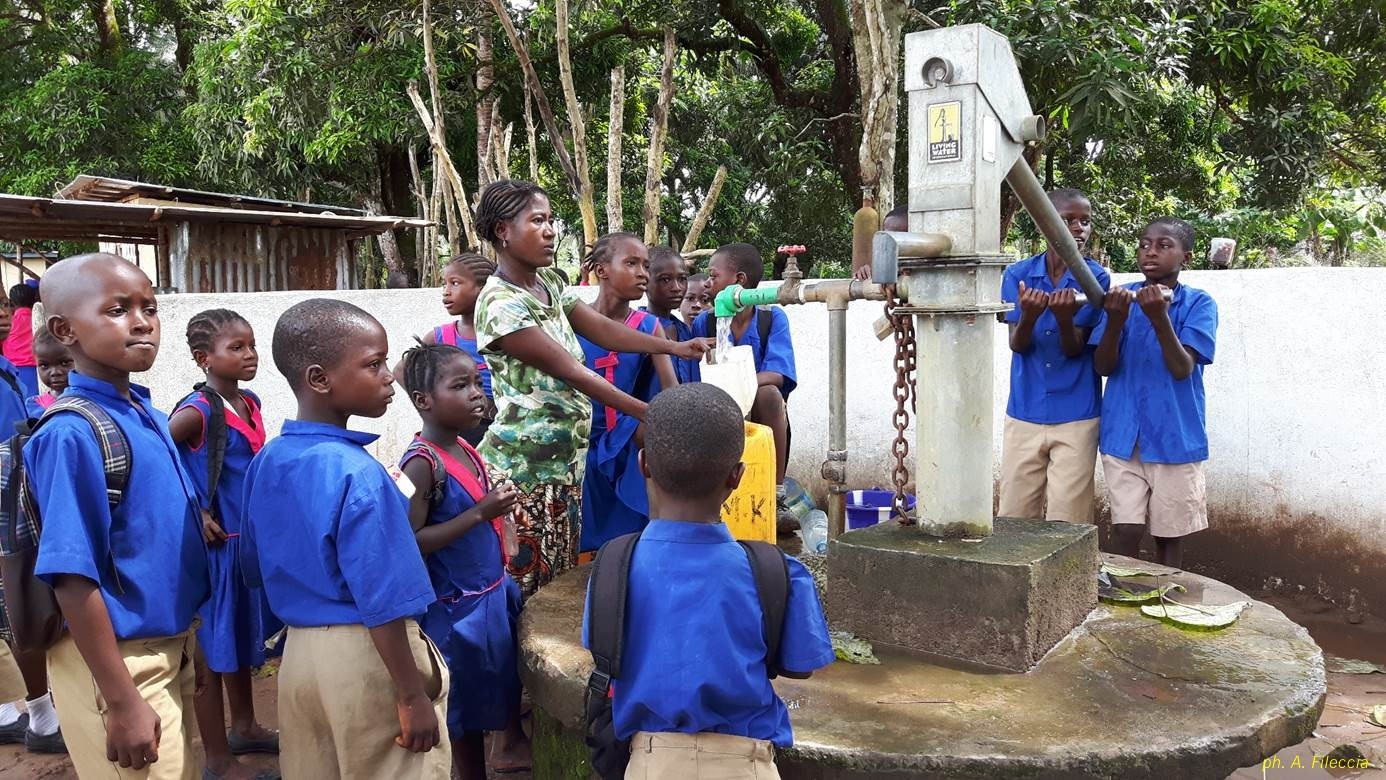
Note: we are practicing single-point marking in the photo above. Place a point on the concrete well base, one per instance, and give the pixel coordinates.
(1123, 696)
(1002, 601)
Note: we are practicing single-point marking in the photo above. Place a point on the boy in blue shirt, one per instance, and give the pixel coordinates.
(1154, 427)
(129, 580)
(1049, 444)
(774, 359)
(693, 696)
(362, 691)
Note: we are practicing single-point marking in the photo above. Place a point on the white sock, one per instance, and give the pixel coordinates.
(43, 719)
(9, 713)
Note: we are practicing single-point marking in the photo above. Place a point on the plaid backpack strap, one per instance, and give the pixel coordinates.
(116, 455)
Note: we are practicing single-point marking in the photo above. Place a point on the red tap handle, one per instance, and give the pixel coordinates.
(792, 249)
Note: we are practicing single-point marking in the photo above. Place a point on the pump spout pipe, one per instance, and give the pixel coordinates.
(1036, 202)
(837, 294)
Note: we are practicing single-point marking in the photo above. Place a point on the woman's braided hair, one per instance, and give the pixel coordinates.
(420, 365)
(600, 253)
(479, 267)
(502, 201)
(205, 325)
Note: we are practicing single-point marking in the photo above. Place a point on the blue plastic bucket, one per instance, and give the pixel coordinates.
(866, 508)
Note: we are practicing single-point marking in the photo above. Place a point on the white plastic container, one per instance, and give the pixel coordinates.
(735, 373)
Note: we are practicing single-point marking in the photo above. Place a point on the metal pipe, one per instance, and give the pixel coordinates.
(835, 466)
(1027, 188)
(887, 247)
(1165, 293)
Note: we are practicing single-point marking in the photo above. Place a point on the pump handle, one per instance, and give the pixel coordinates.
(1027, 188)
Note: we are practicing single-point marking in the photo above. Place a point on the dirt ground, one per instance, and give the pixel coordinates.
(1350, 696)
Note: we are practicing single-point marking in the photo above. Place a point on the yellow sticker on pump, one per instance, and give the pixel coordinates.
(945, 131)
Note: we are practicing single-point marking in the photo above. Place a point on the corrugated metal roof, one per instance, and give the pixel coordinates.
(28, 219)
(100, 188)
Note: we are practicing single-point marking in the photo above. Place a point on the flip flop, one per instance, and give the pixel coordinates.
(242, 745)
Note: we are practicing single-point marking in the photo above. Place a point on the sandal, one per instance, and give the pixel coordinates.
(242, 745)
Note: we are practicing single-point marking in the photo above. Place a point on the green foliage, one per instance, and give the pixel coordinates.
(1261, 120)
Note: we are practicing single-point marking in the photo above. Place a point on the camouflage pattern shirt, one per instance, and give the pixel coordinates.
(542, 423)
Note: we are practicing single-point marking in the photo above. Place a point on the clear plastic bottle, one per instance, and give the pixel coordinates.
(813, 529)
(797, 500)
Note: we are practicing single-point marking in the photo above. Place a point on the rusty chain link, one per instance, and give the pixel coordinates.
(904, 396)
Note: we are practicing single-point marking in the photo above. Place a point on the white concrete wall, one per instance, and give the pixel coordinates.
(1295, 397)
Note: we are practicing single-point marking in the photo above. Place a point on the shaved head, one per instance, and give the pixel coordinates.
(318, 332)
(82, 277)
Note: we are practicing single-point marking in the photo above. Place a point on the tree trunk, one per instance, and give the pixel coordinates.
(485, 106)
(876, 27)
(531, 136)
(615, 218)
(389, 247)
(110, 41)
(500, 147)
(443, 166)
(541, 99)
(654, 164)
(695, 231)
(586, 198)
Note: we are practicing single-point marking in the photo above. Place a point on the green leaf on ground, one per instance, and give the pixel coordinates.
(1123, 571)
(1203, 616)
(1377, 716)
(1126, 594)
(1351, 665)
(852, 649)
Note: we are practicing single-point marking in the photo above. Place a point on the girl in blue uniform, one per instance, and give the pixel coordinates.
(613, 491)
(463, 279)
(457, 515)
(231, 637)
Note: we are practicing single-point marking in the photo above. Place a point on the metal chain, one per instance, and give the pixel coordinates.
(904, 396)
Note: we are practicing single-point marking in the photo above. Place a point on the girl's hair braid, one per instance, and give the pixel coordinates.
(204, 327)
(600, 252)
(479, 267)
(421, 364)
(502, 201)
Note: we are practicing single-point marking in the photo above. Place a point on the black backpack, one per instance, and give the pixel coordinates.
(606, 635)
(216, 438)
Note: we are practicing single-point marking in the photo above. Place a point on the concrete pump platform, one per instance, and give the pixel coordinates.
(1122, 696)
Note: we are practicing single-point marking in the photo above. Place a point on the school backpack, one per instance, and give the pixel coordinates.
(29, 614)
(216, 437)
(606, 636)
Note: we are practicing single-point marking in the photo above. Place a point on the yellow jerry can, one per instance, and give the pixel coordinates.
(750, 512)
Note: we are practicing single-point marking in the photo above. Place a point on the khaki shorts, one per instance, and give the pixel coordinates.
(670, 756)
(1048, 471)
(1172, 498)
(162, 669)
(337, 710)
(12, 686)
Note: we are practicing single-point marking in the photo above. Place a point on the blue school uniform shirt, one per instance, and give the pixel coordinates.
(684, 369)
(694, 654)
(327, 532)
(1047, 386)
(13, 408)
(1145, 407)
(776, 356)
(146, 555)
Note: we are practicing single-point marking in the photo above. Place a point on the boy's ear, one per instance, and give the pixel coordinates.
(734, 477)
(644, 469)
(1188, 258)
(316, 379)
(61, 330)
